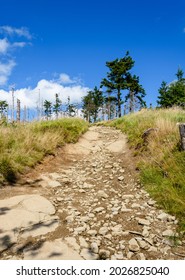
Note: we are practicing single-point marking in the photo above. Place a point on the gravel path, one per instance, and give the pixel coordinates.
(101, 211)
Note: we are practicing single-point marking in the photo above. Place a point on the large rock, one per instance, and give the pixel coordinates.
(46, 181)
(7, 239)
(117, 146)
(52, 250)
(28, 215)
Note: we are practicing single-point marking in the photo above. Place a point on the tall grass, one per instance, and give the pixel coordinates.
(159, 158)
(23, 146)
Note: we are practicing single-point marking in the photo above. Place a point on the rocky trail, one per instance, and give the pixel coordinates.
(86, 203)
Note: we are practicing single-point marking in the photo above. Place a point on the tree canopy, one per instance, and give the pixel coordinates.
(3, 108)
(92, 103)
(174, 93)
(47, 108)
(116, 80)
(136, 92)
(119, 79)
(57, 105)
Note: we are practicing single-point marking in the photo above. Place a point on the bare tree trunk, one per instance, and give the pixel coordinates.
(125, 109)
(131, 102)
(182, 135)
(109, 110)
(12, 104)
(119, 103)
(18, 110)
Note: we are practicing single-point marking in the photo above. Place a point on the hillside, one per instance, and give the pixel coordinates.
(85, 200)
(86, 203)
(154, 138)
(24, 145)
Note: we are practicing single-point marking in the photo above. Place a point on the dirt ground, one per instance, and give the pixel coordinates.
(94, 207)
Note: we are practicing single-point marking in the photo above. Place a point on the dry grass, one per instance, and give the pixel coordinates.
(24, 146)
(159, 157)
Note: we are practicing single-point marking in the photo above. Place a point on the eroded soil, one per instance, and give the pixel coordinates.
(86, 203)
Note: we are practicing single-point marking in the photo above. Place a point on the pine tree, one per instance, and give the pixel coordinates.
(57, 105)
(163, 98)
(180, 74)
(72, 110)
(47, 108)
(116, 80)
(88, 106)
(119, 78)
(110, 105)
(92, 103)
(3, 108)
(136, 92)
(174, 93)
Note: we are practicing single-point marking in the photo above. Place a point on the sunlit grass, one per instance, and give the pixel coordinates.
(159, 158)
(24, 146)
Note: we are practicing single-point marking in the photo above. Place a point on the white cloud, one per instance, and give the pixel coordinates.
(7, 45)
(65, 79)
(21, 32)
(4, 95)
(47, 90)
(6, 70)
(4, 46)
(3, 79)
(19, 44)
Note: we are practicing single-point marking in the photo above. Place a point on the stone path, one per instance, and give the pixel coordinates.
(88, 206)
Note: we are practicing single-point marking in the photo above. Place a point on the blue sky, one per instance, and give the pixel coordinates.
(62, 46)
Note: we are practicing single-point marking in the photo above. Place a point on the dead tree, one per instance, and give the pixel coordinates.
(18, 110)
(182, 135)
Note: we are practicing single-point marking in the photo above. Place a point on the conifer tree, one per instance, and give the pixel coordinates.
(136, 92)
(3, 108)
(119, 79)
(116, 78)
(174, 93)
(92, 103)
(57, 105)
(47, 108)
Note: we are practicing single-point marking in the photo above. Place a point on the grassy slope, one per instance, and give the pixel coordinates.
(159, 159)
(25, 145)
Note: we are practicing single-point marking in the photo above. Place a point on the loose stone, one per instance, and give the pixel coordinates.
(94, 247)
(144, 222)
(133, 245)
(88, 255)
(79, 230)
(99, 209)
(141, 256)
(103, 230)
(121, 178)
(92, 232)
(83, 242)
(163, 217)
(143, 245)
(102, 194)
(104, 254)
(168, 232)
